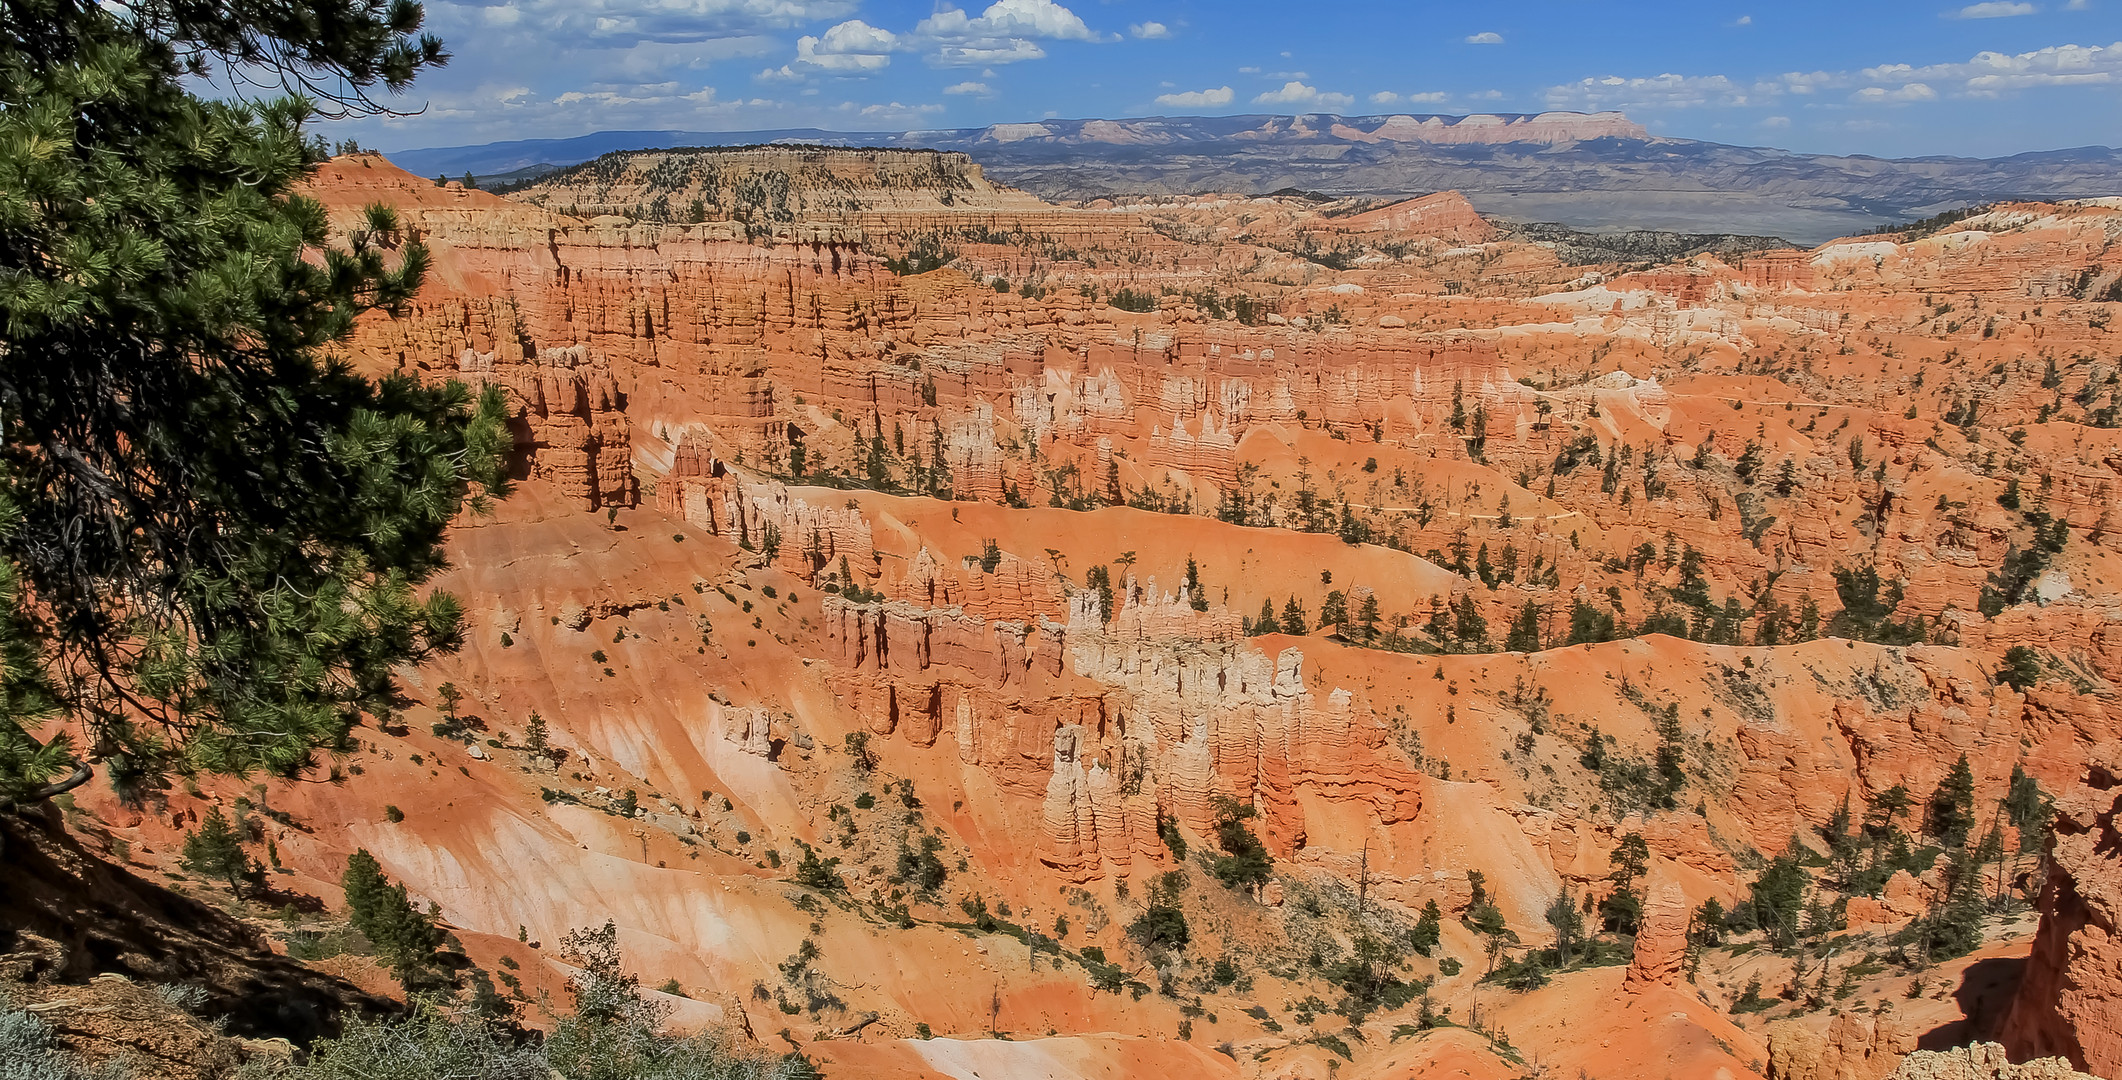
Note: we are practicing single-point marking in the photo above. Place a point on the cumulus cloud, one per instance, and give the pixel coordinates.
(1009, 18)
(1485, 37)
(1298, 95)
(850, 48)
(1995, 9)
(1008, 32)
(1776, 122)
(979, 88)
(1744, 20)
(1198, 99)
(1150, 31)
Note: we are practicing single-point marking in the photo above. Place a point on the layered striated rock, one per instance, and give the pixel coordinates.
(1661, 945)
(994, 548)
(1852, 1048)
(1982, 1061)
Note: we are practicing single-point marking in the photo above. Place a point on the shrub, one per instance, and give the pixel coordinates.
(820, 874)
(1245, 862)
(29, 1052)
(1160, 926)
(2022, 668)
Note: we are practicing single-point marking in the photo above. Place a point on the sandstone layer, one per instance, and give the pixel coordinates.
(1025, 558)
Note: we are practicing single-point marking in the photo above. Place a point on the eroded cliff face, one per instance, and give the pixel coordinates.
(963, 578)
(2070, 1002)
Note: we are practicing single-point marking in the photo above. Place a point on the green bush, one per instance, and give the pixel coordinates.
(1160, 926)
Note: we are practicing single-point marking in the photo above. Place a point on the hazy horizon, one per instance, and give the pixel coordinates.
(1889, 79)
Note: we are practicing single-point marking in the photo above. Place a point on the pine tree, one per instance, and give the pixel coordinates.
(215, 850)
(1429, 929)
(1367, 617)
(1266, 623)
(405, 939)
(1809, 620)
(1293, 617)
(1470, 626)
(1525, 630)
(222, 533)
(1334, 611)
(1950, 813)
(2026, 808)
(1568, 924)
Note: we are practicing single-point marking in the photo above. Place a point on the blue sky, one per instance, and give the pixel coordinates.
(1856, 76)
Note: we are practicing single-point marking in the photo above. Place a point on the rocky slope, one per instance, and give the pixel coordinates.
(961, 578)
(2070, 1004)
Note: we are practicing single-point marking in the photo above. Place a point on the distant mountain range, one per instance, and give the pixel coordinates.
(1586, 170)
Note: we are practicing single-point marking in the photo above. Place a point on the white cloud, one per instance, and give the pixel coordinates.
(1198, 99)
(1995, 9)
(980, 88)
(1914, 91)
(1009, 18)
(891, 112)
(1428, 97)
(1485, 37)
(2079, 5)
(850, 48)
(656, 20)
(1297, 94)
(1777, 122)
(1150, 31)
(1657, 92)
(1007, 32)
(975, 54)
(1744, 20)
(1989, 74)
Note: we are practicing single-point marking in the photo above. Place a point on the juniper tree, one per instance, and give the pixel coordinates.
(214, 532)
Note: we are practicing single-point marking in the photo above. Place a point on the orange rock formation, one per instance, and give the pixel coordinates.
(814, 555)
